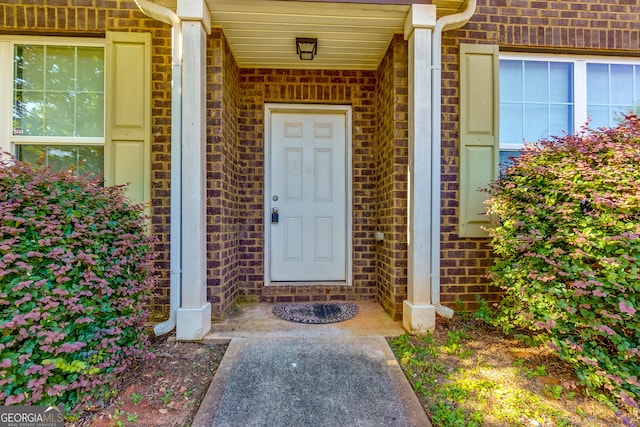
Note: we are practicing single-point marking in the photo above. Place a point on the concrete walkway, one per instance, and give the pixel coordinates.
(277, 373)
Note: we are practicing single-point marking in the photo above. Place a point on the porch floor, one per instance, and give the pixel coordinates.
(256, 320)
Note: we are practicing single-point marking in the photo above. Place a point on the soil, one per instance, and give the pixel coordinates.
(164, 389)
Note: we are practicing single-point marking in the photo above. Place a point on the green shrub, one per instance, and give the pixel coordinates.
(566, 232)
(75, 270)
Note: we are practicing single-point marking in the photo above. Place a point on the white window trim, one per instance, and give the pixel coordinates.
(579, 80)
(8, 141)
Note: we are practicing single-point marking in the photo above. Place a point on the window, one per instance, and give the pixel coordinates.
(611, 89)
(56, 104)
(80, 104)
(508, 98)
(542, 96)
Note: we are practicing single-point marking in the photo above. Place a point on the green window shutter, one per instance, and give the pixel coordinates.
(479, 125)
(128, 113)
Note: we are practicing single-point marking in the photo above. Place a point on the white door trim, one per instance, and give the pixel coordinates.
(345, 110)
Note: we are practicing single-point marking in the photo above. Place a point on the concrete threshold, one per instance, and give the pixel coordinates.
(256, 320)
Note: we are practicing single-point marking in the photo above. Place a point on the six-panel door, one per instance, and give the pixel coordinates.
(308, 191)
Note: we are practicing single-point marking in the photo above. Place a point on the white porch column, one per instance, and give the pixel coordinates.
(419, 313)
(193, 318)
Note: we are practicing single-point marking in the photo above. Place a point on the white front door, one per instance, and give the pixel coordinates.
(307, 198)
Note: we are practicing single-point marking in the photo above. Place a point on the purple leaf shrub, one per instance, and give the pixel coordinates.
(75, 272)
(566, 233)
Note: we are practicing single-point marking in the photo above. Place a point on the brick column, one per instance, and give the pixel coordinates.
(419, 313)
(193, 319)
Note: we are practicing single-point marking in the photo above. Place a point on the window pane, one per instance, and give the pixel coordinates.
(622, 84)
(536, 81)
(597, 84)
(511, 126)
(28, 113)
(72, 158)
(58, 120)
(599, 116)
(505, 157)
(90, 115)
(536, 125)
(636, 100)
(90, 69)
(511, 84)
(617, 113)
(60, 63)
(560, 119)
(29, 68)
(66, 95)
(561, 82)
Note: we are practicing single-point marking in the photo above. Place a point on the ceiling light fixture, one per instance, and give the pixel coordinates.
(306, 48)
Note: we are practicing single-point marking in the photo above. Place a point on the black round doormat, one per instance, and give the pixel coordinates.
(316, 313)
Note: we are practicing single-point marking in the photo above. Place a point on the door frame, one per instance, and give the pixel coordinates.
(345, 110)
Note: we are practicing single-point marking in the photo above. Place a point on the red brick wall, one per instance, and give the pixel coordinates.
(260, 86)
(391, 167)
(578, 26)
(222, 175)
(89, 18)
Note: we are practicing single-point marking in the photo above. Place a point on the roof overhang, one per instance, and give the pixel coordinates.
(351, 34)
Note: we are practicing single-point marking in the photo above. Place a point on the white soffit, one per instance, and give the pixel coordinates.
(351, 35)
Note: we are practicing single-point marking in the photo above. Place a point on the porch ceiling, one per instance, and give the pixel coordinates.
(351, 34)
